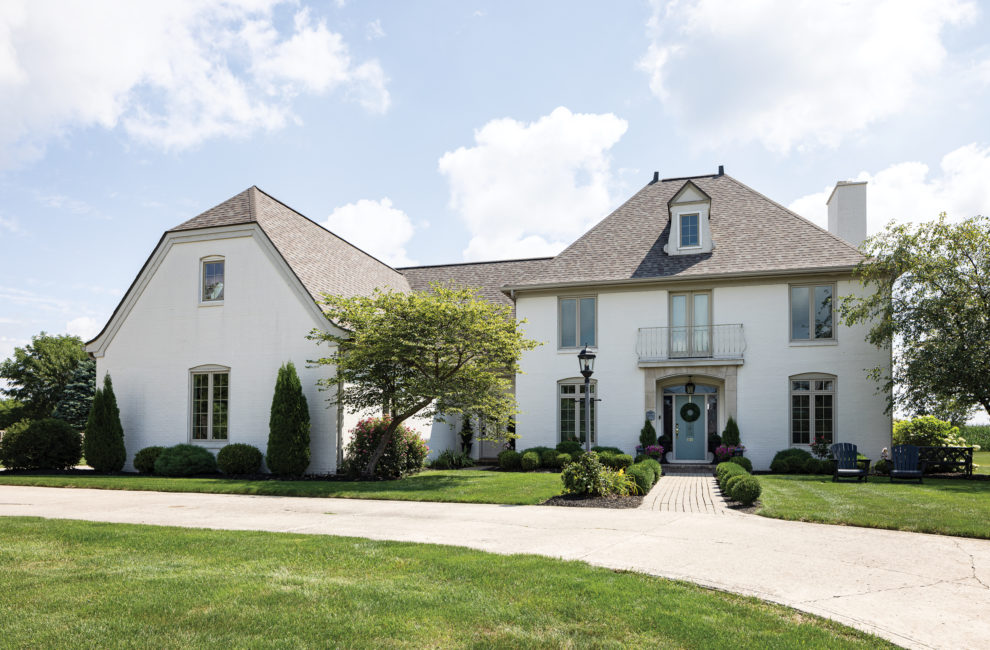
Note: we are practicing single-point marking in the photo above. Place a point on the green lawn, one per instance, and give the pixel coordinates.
(73, 584)
(982, 458)
(462, 486)
(943, 506)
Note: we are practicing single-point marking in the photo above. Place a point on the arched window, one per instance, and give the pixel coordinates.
(812, 408)
(571, 415)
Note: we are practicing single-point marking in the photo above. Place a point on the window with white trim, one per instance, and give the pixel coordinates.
(690, 230)
(210, 392)
(812, 408)
(213, 280)
(578, 321)
(571, 420)
(812, 312)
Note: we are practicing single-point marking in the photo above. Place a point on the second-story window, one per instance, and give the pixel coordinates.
(690, 231)
(577, 317)
(812, 312)
(213, 280)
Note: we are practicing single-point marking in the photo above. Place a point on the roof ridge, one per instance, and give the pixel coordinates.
(436, 266)
(793, 214)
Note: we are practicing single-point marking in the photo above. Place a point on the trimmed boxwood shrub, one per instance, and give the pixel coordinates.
(144, 460)
(730, 483)
(548, 458)
(725, 471)
(611, 450)
(746, 490)
(563, 460)
(572, 447)
(655, 465)
(185, 460)
(530, 460)
(509, 460)
(790, 461)
(40, 444)
(743, 462)
(239, 458)
(644, 477)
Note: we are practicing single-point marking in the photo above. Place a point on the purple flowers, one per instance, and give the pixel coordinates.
(653, 451)
(723, 453)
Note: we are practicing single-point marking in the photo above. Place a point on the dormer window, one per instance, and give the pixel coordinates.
(213, 280)
(690, 232)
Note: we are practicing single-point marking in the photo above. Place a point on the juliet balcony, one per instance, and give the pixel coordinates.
(660, 345)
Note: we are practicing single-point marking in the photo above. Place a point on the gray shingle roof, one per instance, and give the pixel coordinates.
(490, 277)
(323, 262)
(752, 234)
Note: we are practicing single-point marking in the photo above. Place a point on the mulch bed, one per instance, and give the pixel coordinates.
(576, 501)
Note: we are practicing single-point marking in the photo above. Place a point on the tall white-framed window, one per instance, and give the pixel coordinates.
(690, 230)
(570, 411)
(812, 312)
(212, 280)
(813, 408)
(209, 403)
(577, 318)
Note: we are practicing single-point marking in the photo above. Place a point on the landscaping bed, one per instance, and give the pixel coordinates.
(581, 501)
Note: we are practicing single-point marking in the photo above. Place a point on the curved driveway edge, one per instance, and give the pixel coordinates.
(922, 591)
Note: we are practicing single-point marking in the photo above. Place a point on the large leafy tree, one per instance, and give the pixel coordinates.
(931, 304)
(426, 353)
(38, 373)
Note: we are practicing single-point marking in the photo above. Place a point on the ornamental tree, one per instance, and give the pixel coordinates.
(103, 444)
(931, 303)
(288, 450)
(427, 353)
(38, 373)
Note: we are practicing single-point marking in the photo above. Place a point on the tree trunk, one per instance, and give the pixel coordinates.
(369, 469)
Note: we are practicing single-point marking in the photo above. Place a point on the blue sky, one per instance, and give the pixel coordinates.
(431, 132)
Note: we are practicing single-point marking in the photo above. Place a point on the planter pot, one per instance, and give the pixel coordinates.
(738, 452)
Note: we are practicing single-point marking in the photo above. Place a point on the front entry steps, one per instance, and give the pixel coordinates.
(691, 469)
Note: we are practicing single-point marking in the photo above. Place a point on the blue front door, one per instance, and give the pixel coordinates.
(690, 427)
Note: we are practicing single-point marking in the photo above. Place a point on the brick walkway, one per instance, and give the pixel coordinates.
(686, 492)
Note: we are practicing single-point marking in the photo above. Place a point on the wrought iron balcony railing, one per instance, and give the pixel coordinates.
(692, 342)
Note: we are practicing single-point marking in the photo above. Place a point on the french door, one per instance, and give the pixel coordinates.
(691, 324)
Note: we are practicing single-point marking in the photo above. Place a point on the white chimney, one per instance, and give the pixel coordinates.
(847, 211)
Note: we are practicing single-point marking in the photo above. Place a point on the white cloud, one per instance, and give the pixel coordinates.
(374, 30)
(526, 190)
(10, 225)
(907, 191)
(375, 227)
(84, 327)
(171, 74)
(794, 73)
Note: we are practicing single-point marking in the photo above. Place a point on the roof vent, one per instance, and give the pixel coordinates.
(656, 178)
(721, 170)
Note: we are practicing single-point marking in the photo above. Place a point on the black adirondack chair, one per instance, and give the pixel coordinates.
(846, 463)
(905, 463)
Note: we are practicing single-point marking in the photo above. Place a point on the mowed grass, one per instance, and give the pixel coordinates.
(461, 486)
(81, 584)
(981, 458)
(943, 506)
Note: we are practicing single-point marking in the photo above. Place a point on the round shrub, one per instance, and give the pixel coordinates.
(563, 460)
(622, 461)
(239, 458)
(144, 460)
(548, 458)
(743, 462)
(654, 464)
(746, 490)
(572, 447)
(185, 460)
(790, 461)
(405, 453)
(730, 483)
(40, 444)
(725, 471)
(509, 460)
(615, 451)
(643, 476)
(607, 458)
(530, 461)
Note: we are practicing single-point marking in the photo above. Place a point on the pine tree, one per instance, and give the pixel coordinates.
(103, 445)
(288, 426)
(647, 435)
(77, 397)
(730, 437)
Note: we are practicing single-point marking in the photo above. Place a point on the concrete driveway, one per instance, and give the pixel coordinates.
(916, 590)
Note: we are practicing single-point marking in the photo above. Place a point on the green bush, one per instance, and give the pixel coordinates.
(928, 431)
(725, 471)
(587, 476)
(647, 435)
(548, 458)
(743, 462)
(509, 460)
(103, 444)
(790, 461)
(40, 444)
(185, 460)
(404, 454)
(882, 467)
(615, 451)
(622, 461)
(563, 460)
(239, 458)
(448, 459)
(572, 447)
(731, 482)
(288, 426)
(730, 437)
(746, 490)
(643, 476)
(655, 466)
(144, 460)
(539, 450)
(530, 460)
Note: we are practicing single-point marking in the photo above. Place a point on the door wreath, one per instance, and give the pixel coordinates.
(690, 412)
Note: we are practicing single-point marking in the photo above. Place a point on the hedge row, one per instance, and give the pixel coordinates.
(187, 460)
(535, 458)
(736, 483)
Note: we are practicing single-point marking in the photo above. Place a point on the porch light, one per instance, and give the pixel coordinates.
(586, 360)
(689, 386)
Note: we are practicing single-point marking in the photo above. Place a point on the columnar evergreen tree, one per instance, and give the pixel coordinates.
(288, 426)
(103, 444)
(77, 397)
(730, 436)
(647, 435)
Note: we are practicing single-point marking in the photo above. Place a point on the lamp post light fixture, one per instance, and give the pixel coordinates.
(689, 386)
(586, 360)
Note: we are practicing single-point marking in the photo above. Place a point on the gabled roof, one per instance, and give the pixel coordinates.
(490, 277)
(322, 261)
(752, 235)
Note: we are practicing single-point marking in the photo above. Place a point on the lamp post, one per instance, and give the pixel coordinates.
(586, 360)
